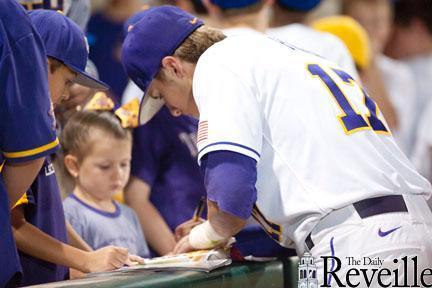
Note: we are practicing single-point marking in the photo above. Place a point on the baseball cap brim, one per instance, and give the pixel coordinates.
(86, 80)
(149, 107)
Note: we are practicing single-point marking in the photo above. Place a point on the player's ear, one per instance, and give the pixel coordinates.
(71, 164)
(173, 66)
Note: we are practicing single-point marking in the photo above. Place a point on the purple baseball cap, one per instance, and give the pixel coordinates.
(158, 32)
(65, 41)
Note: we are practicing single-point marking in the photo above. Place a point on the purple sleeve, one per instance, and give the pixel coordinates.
(229, 179)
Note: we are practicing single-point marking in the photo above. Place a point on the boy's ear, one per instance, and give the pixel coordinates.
(173, 66)
(71, 164)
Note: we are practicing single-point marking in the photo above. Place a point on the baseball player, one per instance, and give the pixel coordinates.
(167, 143)
(27, 127)
(288, 25)
(287, 137)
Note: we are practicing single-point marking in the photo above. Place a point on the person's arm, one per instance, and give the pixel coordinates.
(75, 239)
(156, 230)
(230, 179)
(36, 243)
(19, 176)
(374, 83)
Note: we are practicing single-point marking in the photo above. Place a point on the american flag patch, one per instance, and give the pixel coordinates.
(202, 131)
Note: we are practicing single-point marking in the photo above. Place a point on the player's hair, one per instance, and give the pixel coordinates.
(197, 43)
(406, 10)
(76, 135)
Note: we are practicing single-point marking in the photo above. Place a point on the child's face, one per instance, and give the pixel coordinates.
(104, 171)
(60, 82)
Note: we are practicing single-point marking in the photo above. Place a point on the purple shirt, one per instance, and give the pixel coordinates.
(44, 210)
(164, 156)
(26, 120)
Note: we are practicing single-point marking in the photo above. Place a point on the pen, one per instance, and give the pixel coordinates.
(199, 209)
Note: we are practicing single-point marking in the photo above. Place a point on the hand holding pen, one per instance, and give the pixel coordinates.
(184, 228)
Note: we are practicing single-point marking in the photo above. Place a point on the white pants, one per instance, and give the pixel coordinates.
(373, 243)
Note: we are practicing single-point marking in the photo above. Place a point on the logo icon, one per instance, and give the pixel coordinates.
(385, 233)
(49, 169)
(307, 272)
(193, 21)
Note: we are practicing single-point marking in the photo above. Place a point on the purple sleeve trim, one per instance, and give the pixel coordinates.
(230, 178)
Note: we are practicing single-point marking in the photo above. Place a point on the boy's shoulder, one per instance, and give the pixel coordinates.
(71, 206)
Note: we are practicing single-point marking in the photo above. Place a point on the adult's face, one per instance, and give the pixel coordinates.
(174, 86)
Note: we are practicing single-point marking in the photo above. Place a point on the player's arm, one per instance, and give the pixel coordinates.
(19, 176)
(36, 243)
(75, 239)
(156, 230)
(230, 179)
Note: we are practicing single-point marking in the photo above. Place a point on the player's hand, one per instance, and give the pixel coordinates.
(183, 246)
(134, 260)
(106, 259)
(184, 229)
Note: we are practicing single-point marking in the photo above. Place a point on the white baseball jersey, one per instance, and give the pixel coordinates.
(323, 44)
(318, 146)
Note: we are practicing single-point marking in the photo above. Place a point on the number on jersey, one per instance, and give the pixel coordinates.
(350, 119)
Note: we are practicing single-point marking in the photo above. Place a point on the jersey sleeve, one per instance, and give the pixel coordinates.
(230, 117)
(230, 179)
(27, 120)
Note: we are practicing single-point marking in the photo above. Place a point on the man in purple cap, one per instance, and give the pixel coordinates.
(289, 138)
(38, 218)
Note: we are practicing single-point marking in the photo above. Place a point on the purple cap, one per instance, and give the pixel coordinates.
(65, 41)
(159, 32)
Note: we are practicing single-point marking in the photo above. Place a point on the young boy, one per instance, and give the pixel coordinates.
(38, 219)
(26, 133)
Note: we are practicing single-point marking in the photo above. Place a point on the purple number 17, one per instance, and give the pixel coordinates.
(350, 120)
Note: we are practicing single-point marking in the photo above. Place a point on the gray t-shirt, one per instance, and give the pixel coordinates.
(99, 228)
